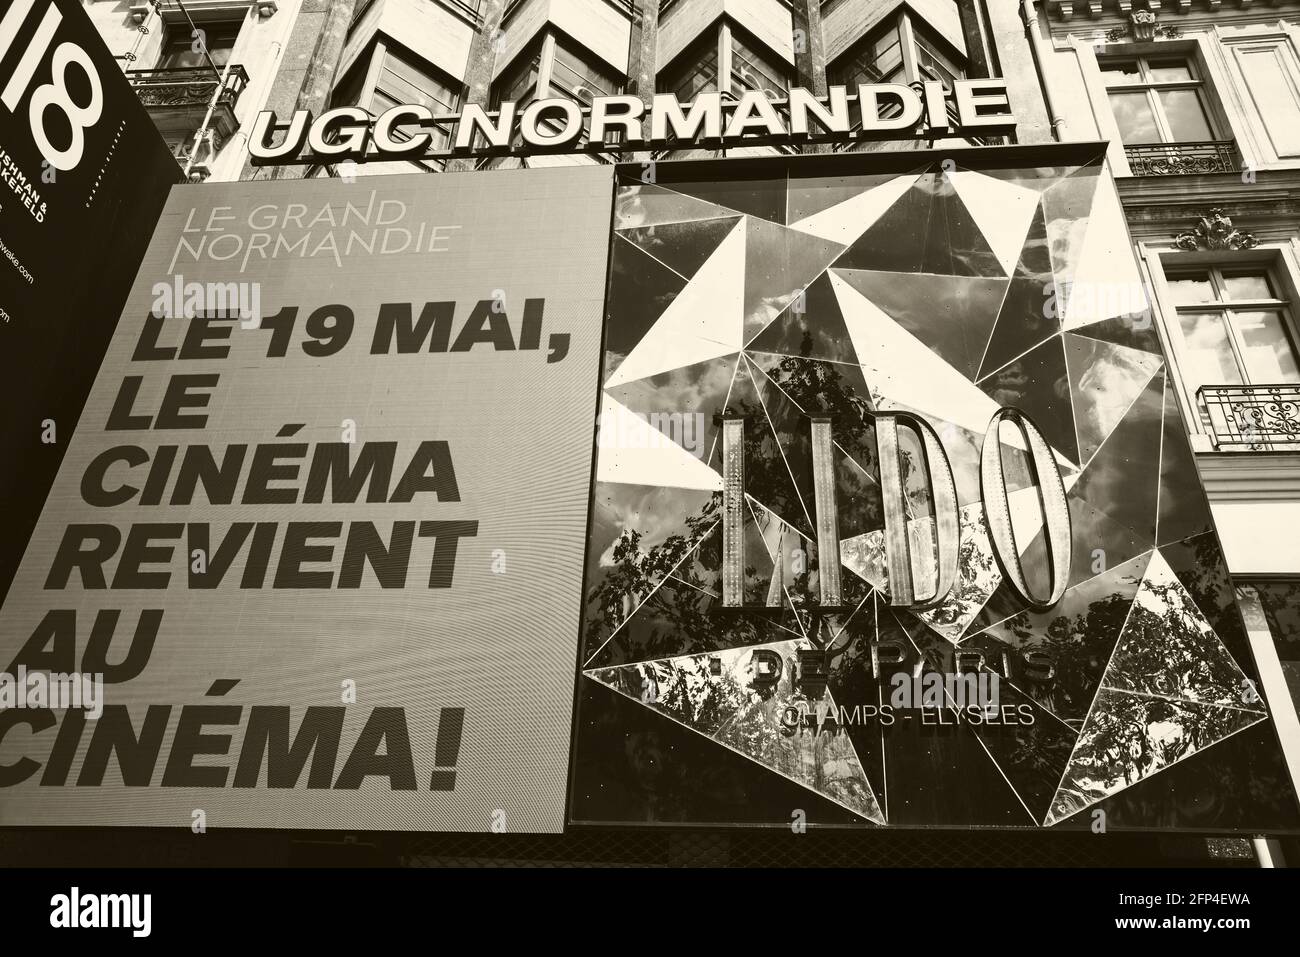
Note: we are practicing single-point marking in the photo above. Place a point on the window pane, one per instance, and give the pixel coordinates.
(518, 83)
(1190, 289)
(1269, 356)
(1185, 115)
(219, 38)
(1170, 71)
(692, 73)
(1133, 116)
(1248, 286)
(933, 61)
(1120, 72)
(1209, 354)
(755, 71)
(574, 78)
(874, 62)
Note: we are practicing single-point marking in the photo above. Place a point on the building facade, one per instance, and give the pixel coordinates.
(1200, 104)
(1198, 100)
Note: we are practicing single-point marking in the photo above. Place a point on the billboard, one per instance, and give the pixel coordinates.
(320, 533)
(83, 177)
(895, 520)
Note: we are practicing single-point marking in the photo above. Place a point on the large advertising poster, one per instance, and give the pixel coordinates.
(895, 520)
(314, 557)
(83, 177)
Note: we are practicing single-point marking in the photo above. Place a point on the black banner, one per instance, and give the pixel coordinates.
(84, 174)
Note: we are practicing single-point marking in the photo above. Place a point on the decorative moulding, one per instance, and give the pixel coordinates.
(1215, 231)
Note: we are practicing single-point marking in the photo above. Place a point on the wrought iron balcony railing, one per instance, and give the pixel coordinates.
(1173, 159)
(1253, 418)
(187, 87)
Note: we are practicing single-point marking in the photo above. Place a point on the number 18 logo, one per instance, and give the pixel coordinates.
(54, 94)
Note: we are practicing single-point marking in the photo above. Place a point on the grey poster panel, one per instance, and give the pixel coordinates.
(324, 541)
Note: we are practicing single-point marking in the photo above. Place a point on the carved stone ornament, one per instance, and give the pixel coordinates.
(1215, 231)
(1144, 28)
(1143, 24)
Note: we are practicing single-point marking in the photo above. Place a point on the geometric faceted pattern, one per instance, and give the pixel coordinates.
(778, 291)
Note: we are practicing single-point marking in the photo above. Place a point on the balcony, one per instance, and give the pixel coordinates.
(1181, 159)
(178, 99)
(1252, 418)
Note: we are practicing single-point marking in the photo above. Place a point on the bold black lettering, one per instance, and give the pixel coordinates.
(294, 552)
(447, 537)
(92, 480)
(386, 726)
(329, 465)
(389, 563)
(182, 393)
(434, 324)
(137, 551)
(430, 455)
(190, 742)
(89, 562)
(318, 737)
(113, 734)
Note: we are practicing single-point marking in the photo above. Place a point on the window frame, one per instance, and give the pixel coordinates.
(725, 34)
(176, 34)
(1218, 272)
(369, 67)
(1199, 82)
(1162, 259)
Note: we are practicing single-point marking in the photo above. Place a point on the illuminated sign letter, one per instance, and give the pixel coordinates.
(1051, 498)
(620, 112)
(869, 107)
(900, 560)
(473, 118)
(259, 141)
(540, 135)
(832, 119)
(973, 96)
(352, 126)
(666, 113)
(383, 135)
(755, 111)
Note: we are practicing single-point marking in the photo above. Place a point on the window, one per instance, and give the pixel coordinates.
(696, 71)
(518, 84)
(392, 76)
(183, 50)
(899, 50)
(693, 72)
(1158, 100)
(876, 59)
(751, 69)
(1235, 327)
(931, 62)
(401, 80)
(580, 79)
(555, 66)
